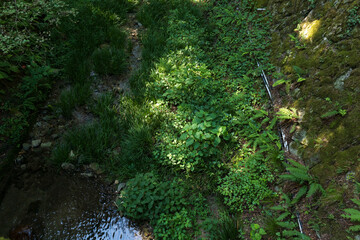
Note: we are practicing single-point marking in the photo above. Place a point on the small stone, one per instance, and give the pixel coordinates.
(26, 146)
(67, 166)
(116, 182)
(23, 166)
(339, 83)
(35, 143)
(55, 136)
(293, 149)
(121, 186)
(47, 118)
(139, 24)
(89, 175)
(96, 168)
(46, 145)
(19, 159)
(71, 154)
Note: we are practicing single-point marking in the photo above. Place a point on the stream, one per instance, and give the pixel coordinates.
(46, 204)
(42, 202)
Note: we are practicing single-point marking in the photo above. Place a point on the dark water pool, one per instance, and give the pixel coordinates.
(50, 205)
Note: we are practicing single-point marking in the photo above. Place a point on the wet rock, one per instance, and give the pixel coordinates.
(47, 118)
(293, 149)
(26, 146)
(19, 160)
(55, 136)
(339, 83)
(88, 175)
(95, 168)
(121, 186)
(314, 159)
(72, 154)
(67, 166)
(36, 143)
(22, 233)
(23, 166)
(46, 145)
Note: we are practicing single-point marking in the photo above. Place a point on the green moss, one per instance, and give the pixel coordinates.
(261, 3)
(333, 194)
(323, 171)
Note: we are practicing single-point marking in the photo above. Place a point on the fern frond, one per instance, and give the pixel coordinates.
(314, 187)
(298, 165)
(291, 233)
(286, 198)
(355, 228)
(283, 216)
(300, 174)
(288, 177)
(357, 202)
(278, 208)
(354, 214)
(288, 225)
(300, 193)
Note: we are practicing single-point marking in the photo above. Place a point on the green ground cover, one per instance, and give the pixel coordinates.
(197, 125)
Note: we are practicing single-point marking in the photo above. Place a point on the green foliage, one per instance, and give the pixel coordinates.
(256, 232)
(287, 114)
(244, 188)
(86, 144)
(300, 174)
(25, 74)
(109, 60)
(32, 90)
(173, 226)
(73, 97)
(353, 20)
(146, 197)
(283, 227)
(228, 228)
(82, 45)
(298, 44)
(354, 215)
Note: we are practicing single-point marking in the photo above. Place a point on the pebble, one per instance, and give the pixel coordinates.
(35, 143)
(121, 186)
(19, 159)
(26, 146)
(116, 182)
(46, 145)
(67, 166)
(89, 175)
(54, 136)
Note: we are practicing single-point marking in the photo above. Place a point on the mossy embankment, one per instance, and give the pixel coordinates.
(323, 49)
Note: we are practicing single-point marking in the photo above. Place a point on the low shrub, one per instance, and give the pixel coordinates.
(147, 197)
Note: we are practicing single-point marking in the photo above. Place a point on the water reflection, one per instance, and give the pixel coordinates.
(54, 206)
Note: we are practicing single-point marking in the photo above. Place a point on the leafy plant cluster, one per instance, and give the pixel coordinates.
(353, 19)
(25, 75)
(147, 197)
(207, 92)
(285, 225)
(354, 215)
